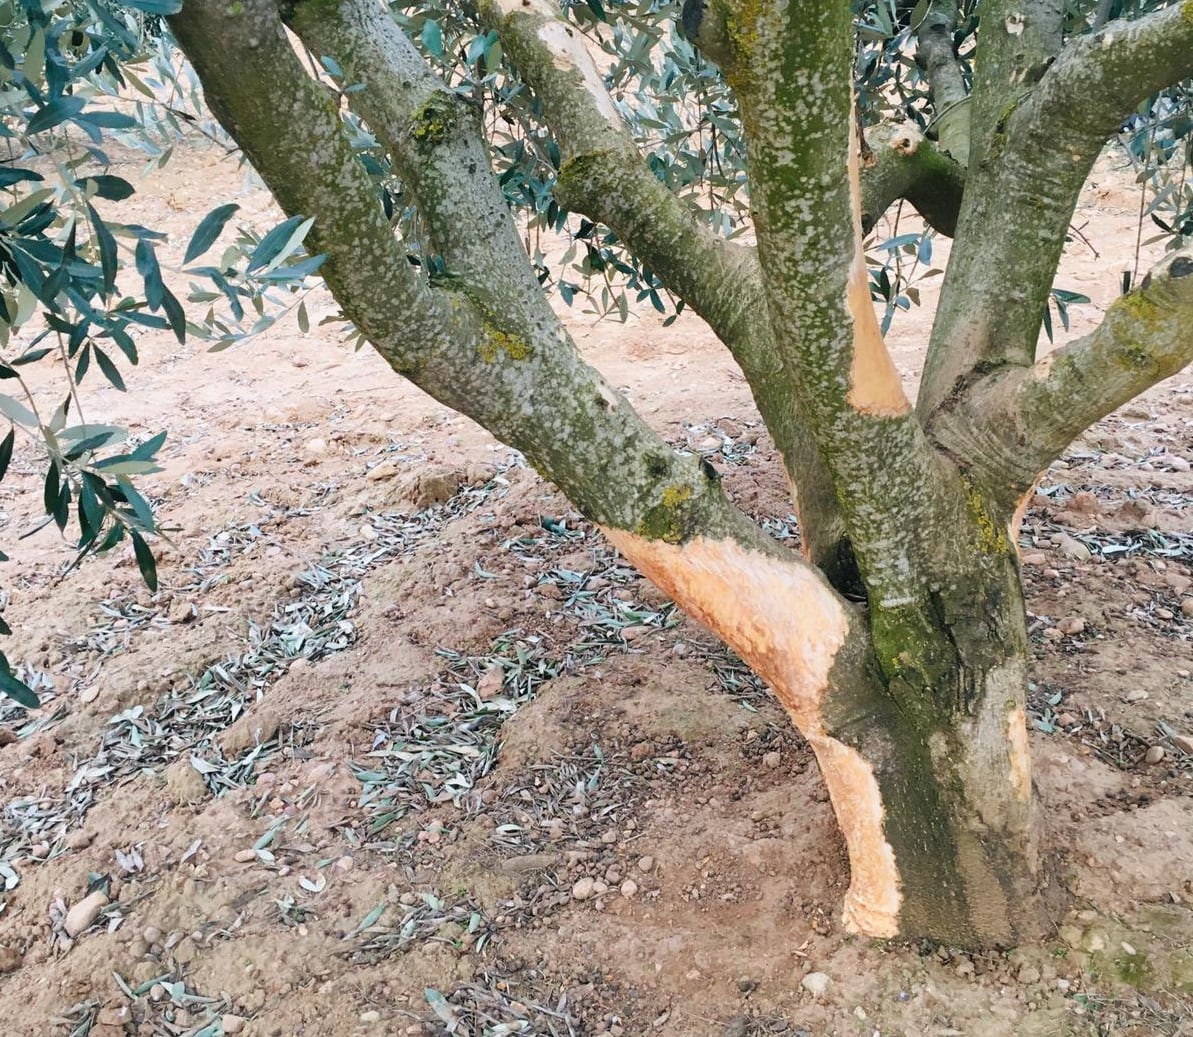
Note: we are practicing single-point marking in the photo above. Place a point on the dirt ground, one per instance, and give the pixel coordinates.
(401, 746)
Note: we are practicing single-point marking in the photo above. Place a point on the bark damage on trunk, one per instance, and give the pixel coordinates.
(897, 643)
(790, 627)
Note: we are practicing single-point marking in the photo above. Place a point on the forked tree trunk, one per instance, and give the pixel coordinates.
(922, 744)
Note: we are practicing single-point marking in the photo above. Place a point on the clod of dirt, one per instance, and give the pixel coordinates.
(1071, 625)
(79, 839)
(184, 783)
(10, 960)
(254, 728)
(181, 612)
(489, 686)
(233, 1023)
(81, 917)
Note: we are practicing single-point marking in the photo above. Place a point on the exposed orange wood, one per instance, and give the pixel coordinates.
(1016, 522)
(1020, 753)
(875, 386)
(786, 622)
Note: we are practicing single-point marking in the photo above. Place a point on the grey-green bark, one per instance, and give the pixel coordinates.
(913, 699)
(1040, 122)
(603, 177)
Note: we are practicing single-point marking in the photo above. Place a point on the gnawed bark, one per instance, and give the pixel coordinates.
(899, 162)
(935, 806)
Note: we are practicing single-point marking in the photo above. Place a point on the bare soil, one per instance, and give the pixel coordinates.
(402, 747)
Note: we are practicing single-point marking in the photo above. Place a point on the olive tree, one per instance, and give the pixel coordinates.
(896, 638)
(913, 697)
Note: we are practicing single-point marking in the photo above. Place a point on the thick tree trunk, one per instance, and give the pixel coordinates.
(956, 782)
(927, 765)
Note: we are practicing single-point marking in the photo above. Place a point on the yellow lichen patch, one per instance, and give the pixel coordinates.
(785, 621)
(497, 342)
(1020, 754)
(875, 386)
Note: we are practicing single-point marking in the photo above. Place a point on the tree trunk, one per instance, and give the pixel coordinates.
(920, 732)
(955, 781)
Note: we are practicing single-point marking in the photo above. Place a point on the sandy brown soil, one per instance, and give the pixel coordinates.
(400, 746)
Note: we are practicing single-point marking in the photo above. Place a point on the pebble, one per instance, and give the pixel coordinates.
(1155, 754)
(80, 917)
(1035, 558)
(1184, 743)
(629, 888)
(772, 760)
(151, 934)
(1138, 695)
(815, 983)
(583, 889)
(646, 864)
(1187, 607)
(1071, 625)
(315, 447)
(1165, 614)
(233, 1023)
(244, 856)
(371, 1016)
(1073, 548)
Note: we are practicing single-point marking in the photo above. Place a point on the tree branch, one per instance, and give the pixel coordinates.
(528, 386)
(791, 68)
(604, 177)
(901, 163)
(434, 140)
(950, 98)
(1018, 205)
(1014, 423)
(1103, 76)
